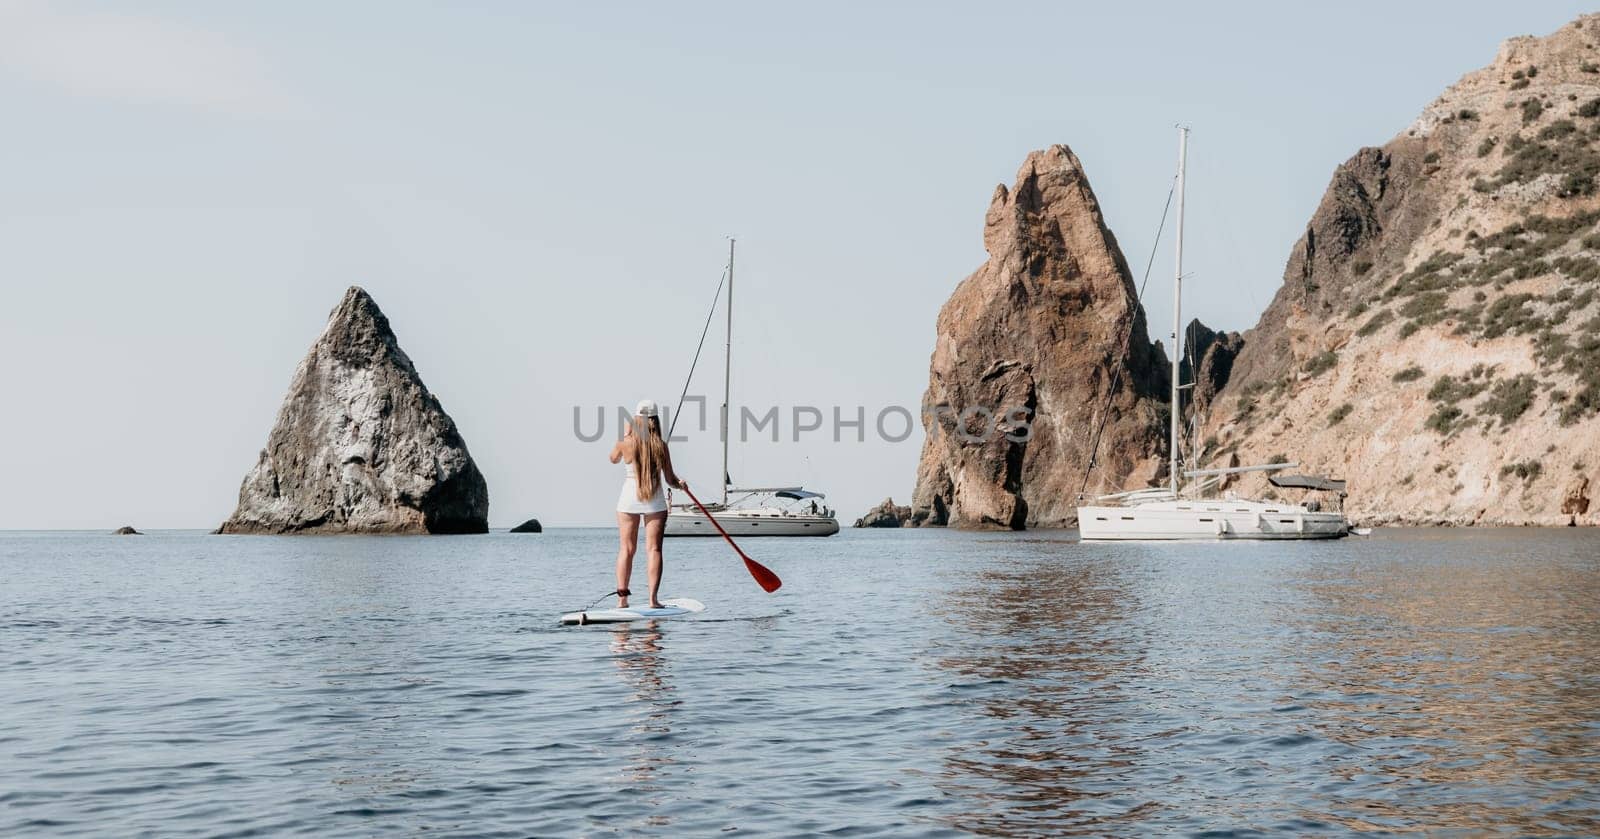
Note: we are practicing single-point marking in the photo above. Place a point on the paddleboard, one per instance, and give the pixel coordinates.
(674, 608)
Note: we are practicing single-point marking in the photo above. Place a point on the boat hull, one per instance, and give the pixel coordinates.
(1210, 522)
(745, 524)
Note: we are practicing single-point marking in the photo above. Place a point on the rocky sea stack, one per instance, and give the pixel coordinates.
(1028, 347)
(360, 444)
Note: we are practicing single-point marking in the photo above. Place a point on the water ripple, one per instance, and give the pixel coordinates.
(917, 683)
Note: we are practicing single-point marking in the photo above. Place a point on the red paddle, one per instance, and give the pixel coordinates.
(764, 576)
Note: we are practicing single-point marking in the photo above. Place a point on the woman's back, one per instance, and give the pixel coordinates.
(631, 461)
(643, 491)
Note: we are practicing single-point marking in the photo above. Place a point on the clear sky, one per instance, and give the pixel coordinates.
(539, 197)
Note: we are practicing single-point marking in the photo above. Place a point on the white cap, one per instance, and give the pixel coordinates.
(647, 408)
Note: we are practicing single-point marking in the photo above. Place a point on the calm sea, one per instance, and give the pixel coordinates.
(915, 683)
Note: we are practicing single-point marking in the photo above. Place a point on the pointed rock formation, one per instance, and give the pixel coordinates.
(360, 445)
(1027, 349)
(1433, 340)
(1216, 352)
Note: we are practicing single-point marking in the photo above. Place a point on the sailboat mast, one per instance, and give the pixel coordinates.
(727, 379)
(1177, 306)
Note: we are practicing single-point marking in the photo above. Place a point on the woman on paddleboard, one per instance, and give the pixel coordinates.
(643, 497)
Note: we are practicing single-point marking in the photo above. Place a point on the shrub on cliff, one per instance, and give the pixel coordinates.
(1449, 390)
(1443, 419)
(1558, 129)
(1527, 470)
(1510, 314)
(1426, 308)
(1509, 399)
(1576, 162)
(1375, 323)
(1582, 404)
(1531, 109)
(1321, 363)
(1576, 184)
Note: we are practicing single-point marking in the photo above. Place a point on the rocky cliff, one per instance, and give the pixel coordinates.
(360, 444)
(1026, 351)
(1437, 336)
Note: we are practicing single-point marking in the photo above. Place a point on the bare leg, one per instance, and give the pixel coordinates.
(628, 536)
(655, 527)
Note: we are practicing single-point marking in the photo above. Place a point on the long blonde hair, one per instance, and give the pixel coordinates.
(649, 455)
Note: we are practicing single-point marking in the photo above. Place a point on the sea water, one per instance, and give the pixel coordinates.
(917, 682)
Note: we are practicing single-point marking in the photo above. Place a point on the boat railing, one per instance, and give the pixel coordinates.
(1235, 470)
(1132, 495)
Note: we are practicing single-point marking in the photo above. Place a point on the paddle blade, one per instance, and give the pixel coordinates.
(764, 576)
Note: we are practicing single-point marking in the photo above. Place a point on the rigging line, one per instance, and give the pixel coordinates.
(716, 298)
(1116, 376)
(1191, 333)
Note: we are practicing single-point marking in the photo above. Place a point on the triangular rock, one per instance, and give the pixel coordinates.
(1027, 349)
(360, 445)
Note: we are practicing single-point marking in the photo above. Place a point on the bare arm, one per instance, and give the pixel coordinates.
(623, 446)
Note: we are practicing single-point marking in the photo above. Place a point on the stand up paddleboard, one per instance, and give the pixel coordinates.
(674, 608)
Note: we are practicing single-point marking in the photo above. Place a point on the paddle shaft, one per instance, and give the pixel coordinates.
(764, 576)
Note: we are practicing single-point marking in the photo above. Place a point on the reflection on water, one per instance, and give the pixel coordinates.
(915, 683)
(1461, 677)
(642, 664)
(1139, 685)
(1047, 637)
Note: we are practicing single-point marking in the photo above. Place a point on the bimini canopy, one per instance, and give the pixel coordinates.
(798, 494)
(1316, 482)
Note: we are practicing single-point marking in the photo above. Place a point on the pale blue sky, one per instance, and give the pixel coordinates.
(538, 196)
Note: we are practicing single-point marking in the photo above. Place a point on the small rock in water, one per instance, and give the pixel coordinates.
(886, 515)
(126, 530)
(529, 526)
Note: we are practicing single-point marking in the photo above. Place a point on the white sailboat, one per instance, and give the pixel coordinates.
(1179, 512)
(751, 511)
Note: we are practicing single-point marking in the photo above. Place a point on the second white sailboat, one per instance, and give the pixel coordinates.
(1186, 512)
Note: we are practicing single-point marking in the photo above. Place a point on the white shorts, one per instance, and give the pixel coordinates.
(628, 501)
